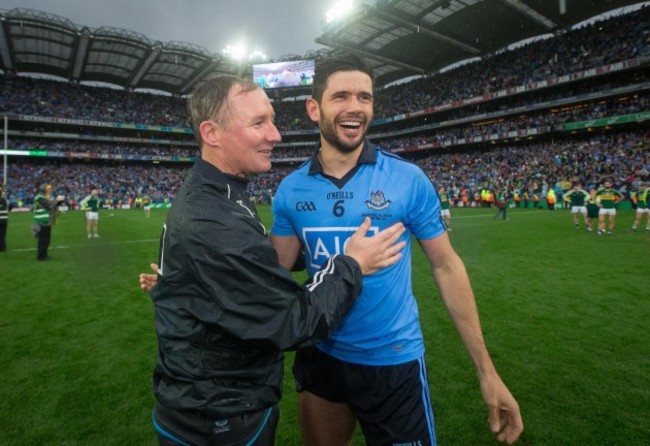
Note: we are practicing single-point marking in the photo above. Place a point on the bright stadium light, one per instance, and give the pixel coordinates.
(341, 9)
(236, 52)
(257, 55)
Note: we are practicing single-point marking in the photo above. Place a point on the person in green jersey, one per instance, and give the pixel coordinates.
(44, 209)
(592, 209)
(444, 207)
(607, 198)
(640, 198)
(91, 205)
(501, 203)
(578, 198)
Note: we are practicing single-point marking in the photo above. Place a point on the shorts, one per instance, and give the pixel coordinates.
(192, 428)
(578, 209)
(642, 211)
(90, 215)
(604, 211)
(445, 213)
(392, 402)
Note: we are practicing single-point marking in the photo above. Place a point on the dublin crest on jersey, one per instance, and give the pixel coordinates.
(378, 201)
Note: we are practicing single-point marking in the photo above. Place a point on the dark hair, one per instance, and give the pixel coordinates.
(209, 100)
(332, 64)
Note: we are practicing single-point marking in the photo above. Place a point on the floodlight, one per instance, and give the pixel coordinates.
(257, 55)
(236, 52)
(341, 9)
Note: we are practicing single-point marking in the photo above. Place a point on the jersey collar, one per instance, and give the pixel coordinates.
(368, 155)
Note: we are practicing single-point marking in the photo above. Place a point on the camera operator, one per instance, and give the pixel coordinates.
(45, 209)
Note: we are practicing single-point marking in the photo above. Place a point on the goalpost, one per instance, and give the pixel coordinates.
(4, 146)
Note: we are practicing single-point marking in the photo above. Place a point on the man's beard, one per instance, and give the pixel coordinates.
(328, 131)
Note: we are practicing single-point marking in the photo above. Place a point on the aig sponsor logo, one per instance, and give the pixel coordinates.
(305, 206)
(323, 242)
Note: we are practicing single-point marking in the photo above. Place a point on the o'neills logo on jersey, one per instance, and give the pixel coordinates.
(378, 201)
(305, 206)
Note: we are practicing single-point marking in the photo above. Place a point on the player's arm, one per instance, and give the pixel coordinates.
(449, 273)
(288, 249)
(83, 204)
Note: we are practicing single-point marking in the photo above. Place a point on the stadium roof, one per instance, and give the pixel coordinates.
(400, 38)
(38, 42)
(404, 38)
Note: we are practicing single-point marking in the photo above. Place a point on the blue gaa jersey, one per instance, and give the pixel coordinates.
(383, 326)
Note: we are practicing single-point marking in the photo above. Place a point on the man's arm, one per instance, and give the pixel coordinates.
(288, 249)
(449, 273)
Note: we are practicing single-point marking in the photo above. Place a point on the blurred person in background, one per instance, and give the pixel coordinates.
(5, 208)
(45, 211)
(607, 198)
(578, 199)
(90, 204)
(640, 199)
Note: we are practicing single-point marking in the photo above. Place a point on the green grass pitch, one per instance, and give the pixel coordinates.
(565, 315)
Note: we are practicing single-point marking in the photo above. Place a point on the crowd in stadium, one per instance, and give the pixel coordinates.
(501, 126)
(622, 157)
(620, 38)
(605, 42)
(119, 183)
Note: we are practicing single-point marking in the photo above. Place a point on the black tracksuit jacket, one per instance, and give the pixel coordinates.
(224, 307)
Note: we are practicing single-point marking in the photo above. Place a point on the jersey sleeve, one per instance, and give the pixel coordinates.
(424, 217)
(281, 224)
(84, 203)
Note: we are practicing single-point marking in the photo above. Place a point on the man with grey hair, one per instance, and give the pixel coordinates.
(225, 309)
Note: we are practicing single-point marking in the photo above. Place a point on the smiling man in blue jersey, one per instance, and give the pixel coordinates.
(373, 368)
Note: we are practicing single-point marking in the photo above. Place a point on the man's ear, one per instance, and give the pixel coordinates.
(313, 110)
(210, 133)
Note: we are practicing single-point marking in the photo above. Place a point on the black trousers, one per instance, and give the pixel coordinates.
(44, 237)
(191, 428)
(3, 236)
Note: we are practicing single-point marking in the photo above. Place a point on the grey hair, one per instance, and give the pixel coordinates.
(210, 101)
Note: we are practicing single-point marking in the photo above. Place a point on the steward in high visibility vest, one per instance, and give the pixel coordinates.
(45, 209)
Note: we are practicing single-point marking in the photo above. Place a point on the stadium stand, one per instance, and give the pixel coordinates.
(530, 118)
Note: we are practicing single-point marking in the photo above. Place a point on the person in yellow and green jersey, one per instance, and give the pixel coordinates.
(146, 205)
(640, 199)
(91, 205)
(445, 214)
(525, 196)
(577, 198)
(592, 209)
(607, 198)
